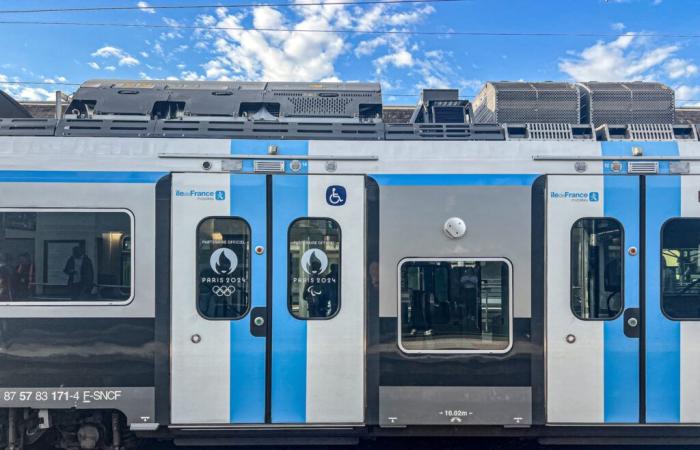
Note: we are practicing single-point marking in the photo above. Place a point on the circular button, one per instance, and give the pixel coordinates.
(259, 250)
(570, 338)
(259, 321)
(632, 251)
(632, 322)
(196, 339)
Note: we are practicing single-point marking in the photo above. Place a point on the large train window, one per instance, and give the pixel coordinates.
(314, 268)
(57, 257)
(597, 269)
(680, 269)
(223, 268)
(455, 305)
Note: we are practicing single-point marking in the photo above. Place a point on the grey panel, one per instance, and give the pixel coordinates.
(498, 226)
(433, 405)
(137, 403)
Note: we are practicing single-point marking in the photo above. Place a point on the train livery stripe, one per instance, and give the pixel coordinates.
(247, 351)
(506, 179)
(50, 176)
(663, 336)
(289, 347)
(621, 353)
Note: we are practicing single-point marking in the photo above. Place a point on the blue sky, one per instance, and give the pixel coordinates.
(403, 63)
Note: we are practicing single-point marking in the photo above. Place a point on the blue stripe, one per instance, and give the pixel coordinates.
(290, 201)
(50, 176)
(649, 148)
(247, 365)
(260, 147)
(663, 336)
(455, 179)
(621, 354)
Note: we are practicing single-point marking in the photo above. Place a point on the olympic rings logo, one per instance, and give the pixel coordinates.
(223, 291)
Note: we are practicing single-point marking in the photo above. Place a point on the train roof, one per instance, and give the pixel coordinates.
(502, 110)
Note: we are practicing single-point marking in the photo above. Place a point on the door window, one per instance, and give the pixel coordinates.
(223, 268)
(597, 268)
(460, 305)
(680, 269)
(314, 268)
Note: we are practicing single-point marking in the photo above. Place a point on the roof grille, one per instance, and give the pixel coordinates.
(643, 167)
(651, 132)
(268, 166)
(559, 131)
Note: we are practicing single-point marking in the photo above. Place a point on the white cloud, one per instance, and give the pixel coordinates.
(680, 68)
(23, 92)
(174, 33)
(110, 68)
(688, 95)
(618, 26)
(94, 65)
(143, 54)
(295, 54)
(145, 7)
(124, 59)
(629, 57)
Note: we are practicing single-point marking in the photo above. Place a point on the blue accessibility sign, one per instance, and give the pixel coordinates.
(336, 195)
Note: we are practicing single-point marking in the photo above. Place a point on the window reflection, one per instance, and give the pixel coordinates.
(680, 268)
(455, 305)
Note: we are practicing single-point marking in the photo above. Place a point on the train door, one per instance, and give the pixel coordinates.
(593, 323)
(267, 299)
(623, 294)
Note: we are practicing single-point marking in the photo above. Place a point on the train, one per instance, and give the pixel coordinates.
(229, 263)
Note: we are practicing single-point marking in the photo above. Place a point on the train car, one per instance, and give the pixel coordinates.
(222, 263)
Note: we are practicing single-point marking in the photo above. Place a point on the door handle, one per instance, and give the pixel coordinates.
(258, 322)
(632, 323)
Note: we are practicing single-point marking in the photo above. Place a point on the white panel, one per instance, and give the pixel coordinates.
(690, 331)
(574, 371)
(200, 388)
(335, 347)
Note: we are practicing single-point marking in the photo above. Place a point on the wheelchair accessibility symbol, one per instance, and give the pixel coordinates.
(336, 195)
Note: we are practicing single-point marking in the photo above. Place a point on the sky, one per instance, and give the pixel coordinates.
(589, 40)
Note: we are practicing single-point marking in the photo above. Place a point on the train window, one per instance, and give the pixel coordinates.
(314, 268)
(223, 268)
(59, 256)
(680, 269)
(458, 305)
(597, 268)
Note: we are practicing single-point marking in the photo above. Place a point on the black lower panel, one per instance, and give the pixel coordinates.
(77, 352)
(510, 369)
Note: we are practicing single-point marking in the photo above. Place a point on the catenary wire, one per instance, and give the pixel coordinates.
(230, 6)
(541, 34)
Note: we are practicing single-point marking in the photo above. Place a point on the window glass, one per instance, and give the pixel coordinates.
(314, 268)
(223, 268)
(597, 268)
(457, 305)
(680, 268)
(65, 256)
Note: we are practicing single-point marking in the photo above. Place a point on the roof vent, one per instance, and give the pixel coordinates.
(441, 106)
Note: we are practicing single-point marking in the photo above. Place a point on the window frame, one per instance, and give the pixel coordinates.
(623, 271)
(505, 260)
(661, 271)
(132, 287)
(249, 281)
(340, 269)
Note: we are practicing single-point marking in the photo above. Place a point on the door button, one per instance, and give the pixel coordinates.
(632, 251)
(258, 324)
(259, 250)
(631, 322)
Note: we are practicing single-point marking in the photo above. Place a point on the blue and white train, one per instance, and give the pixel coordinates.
(226, 263)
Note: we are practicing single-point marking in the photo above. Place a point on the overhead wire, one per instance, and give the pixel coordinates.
(209, 6)
(541, 34)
